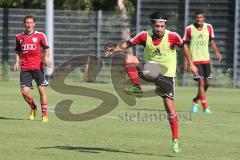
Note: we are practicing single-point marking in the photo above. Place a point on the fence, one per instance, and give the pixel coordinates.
(75, 33)
(221, 14)
(86, 32)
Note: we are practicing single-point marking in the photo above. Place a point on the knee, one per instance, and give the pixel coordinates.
(201, 83)
(129, 58)
(42, 92)
(206, 84)
(25, 91)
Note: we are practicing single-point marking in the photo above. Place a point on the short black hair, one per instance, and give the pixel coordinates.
(158, 15)
(198, 12)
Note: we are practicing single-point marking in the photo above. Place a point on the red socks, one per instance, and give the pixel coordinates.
(204, 102)
(33, 106)
(173, 121)
(31, 103)
(44, 109)
(132, 72)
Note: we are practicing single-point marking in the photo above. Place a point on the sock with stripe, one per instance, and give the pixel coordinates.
(132, 72)
(31, 103)
(204, 102)
(44, 109)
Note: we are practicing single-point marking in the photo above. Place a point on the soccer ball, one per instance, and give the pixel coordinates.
(151, 70)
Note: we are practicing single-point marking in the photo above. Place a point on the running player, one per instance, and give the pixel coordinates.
(197, 36)
(159, 46)
(29, 46)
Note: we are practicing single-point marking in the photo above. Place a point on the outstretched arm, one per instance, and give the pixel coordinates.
(214, 47)
(120, 47)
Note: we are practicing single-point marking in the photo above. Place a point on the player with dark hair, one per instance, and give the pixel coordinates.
(159, 46)
(197, 36)
(29, 46)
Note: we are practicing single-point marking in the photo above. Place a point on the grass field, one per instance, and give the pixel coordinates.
(111, 137)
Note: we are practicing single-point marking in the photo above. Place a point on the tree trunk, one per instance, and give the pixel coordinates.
(124, 19)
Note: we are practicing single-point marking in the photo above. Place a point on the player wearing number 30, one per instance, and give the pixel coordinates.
(159, 47)
(29, 46)
(197, 36)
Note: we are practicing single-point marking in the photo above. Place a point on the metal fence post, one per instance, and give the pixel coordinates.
(50, 33)
(99, 30)
(186, 20)
(236, 44)
(138, 23)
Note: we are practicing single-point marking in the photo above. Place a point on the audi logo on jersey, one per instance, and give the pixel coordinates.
(27, 47)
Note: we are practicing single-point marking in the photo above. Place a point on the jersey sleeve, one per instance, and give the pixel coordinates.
(211, 32)
(44, 42)
(139, 39)
(175, 39)
(187, 35)
(18, 45)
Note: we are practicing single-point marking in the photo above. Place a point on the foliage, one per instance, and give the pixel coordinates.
(35, 4)
(106, 5)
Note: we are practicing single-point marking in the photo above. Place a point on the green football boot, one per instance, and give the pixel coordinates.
(134, 91)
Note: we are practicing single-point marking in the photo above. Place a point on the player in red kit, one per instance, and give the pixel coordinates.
(159, 48)
(198, 36)
(29, 48)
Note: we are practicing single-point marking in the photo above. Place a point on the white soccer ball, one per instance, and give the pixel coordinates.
(151, 69)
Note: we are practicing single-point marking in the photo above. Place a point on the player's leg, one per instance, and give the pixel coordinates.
(26, 85)
(172, 116)
(173, 121)
(131, 67)
(207, 77)
(43, 101)
(165, 87)
(41, 83)
(199, 92)
(207, 82)
(28, 97)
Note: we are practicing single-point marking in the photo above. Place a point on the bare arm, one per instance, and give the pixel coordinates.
(47, 60)
(17, 59)
(185, 64)
(120, 47)
(214, 47)
(188, 60)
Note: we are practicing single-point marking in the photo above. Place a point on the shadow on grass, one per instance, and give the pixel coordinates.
(6, 118)
(158, 110)
(232, 112)
(98, 150)
(145, 109)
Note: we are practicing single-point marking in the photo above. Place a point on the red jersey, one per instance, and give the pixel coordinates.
(141, 38)
(30, 48)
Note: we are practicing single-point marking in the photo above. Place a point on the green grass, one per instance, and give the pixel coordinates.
(110, 137)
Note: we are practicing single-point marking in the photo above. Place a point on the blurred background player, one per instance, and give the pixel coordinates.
(29, 47)
(159, 46)
(197, 36)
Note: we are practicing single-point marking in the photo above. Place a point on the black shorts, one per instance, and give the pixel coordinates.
(204, 71)
(26, 77)
(165, 86)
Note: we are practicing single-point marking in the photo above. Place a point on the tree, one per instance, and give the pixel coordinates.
(35, 4)
(105, 5)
